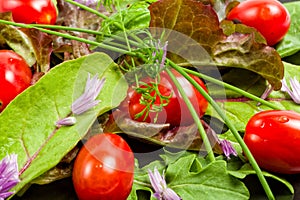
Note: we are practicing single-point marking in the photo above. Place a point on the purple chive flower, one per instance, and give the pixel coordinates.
(9, 175)
(86, 101)
(161, 53)
(164, 56)
(87, 2)
(227, 148)
(158, 182)
(294, 92)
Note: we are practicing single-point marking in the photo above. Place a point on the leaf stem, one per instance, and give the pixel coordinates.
(195, 116)
(30, 159)
(233, 88)
(232, 128)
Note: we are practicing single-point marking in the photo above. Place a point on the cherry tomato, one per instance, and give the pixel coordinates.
(104, 168)
(15, 76)
(175, 111)
(30, 11)
(269, 17)
(273, 137)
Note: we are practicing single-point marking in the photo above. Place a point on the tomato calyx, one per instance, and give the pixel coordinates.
(152, 99)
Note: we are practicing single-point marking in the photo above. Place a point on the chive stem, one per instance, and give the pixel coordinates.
(232, 128)
(67, 36)
(195, 116)
(233, 88)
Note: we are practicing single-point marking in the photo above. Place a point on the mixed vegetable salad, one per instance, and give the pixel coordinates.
(150, 99)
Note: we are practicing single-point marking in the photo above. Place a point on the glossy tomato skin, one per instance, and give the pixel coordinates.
(175, 112)
(104, 169)
(30, 11)
(269, 17)
(273, 137)
(15, 76)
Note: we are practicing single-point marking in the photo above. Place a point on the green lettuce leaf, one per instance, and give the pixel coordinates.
(291, 42)
(27, 125)
(240, 110)
(134, 17)
(191, 177)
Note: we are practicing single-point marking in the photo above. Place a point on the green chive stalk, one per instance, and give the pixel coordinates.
(232, 128)
(233, 88)
(88, 31)
(195, 116)
(67, 36)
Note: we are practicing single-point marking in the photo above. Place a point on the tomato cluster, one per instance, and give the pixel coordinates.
(174, 111)
(269, 17)
(273, 137)
(30, 11)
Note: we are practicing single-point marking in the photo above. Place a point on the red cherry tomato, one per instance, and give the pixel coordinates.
(30, 11)
(269, 17)
(273, 137)
(175, 112)
(15, 76)
(104, 169)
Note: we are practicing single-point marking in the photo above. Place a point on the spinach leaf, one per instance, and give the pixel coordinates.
(27, 125)
(291, 42)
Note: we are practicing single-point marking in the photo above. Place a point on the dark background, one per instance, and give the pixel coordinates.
(63, 189)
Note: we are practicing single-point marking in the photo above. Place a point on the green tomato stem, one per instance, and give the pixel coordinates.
(232, 128)
(233, 88)
(195, 116)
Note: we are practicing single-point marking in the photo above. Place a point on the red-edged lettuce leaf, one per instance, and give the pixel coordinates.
(42, 45)
(14, 38)
(200, 22)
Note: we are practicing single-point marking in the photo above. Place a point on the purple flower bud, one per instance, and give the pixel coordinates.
(88, 99)
(9, 175)
(227, 148)
(68, 121)
(294, 92)
(161, 190)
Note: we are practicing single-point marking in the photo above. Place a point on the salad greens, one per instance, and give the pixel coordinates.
(27, 125)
